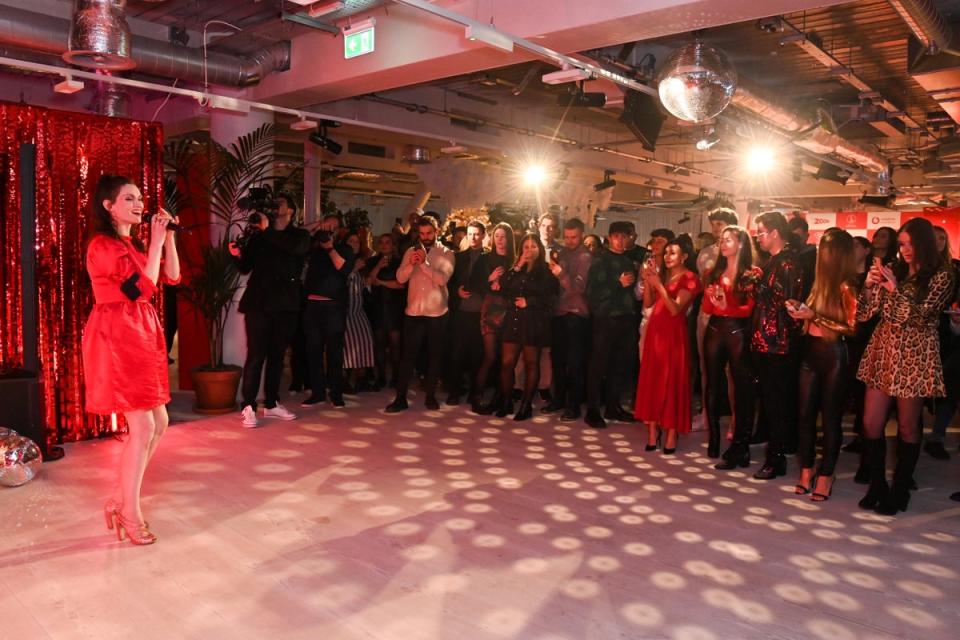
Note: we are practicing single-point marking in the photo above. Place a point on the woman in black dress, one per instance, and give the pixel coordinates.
(388, 298)
(485, 281)
(533, 290)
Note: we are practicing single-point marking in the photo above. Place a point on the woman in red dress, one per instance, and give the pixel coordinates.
(663, 388)
(124, 352)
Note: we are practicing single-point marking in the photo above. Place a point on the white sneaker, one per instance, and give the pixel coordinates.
(279, 411)
(249, 418)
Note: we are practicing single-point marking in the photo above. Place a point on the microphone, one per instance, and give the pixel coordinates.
(173, 226)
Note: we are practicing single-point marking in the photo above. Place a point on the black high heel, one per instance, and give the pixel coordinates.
(654, 447)
(669, 451)
(525, 412)
(506, 408)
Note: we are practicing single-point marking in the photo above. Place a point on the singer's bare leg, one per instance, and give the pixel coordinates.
(160, 423)
(133, 461)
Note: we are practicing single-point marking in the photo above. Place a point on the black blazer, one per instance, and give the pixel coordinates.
(274, 259)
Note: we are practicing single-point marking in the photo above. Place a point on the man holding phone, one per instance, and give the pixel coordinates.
(427, 266)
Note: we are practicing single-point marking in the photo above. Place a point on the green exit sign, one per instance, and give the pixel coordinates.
(357, 42)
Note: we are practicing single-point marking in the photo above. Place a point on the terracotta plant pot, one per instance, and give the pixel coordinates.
(216, 389)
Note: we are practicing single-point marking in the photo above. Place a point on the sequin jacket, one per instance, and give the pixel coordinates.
(774, 331)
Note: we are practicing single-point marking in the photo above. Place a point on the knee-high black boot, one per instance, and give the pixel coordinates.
(875, 461)
(713, 444)
(899, 498)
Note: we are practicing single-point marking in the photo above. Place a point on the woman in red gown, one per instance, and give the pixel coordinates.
(124, 352)
(663, 388)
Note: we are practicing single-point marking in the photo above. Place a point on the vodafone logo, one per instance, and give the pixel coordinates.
(851, 219)
(875, 220)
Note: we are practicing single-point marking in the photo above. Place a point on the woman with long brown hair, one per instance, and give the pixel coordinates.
(124, 353)
(829, 317)
(728, 301)
(902, 360)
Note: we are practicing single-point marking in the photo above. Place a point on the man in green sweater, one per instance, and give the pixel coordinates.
(613, 309)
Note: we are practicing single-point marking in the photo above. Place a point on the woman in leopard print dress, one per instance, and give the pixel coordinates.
(902, 360)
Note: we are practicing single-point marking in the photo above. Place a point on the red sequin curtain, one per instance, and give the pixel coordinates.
(73, 151)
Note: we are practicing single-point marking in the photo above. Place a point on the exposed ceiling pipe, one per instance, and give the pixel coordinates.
(36, 32)
(100, 36)
(481, 122)
(927, 24)
(809, 134)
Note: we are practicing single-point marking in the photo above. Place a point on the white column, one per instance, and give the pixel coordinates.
(312, 155)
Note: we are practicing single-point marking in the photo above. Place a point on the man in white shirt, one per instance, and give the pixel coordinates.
(426, 267)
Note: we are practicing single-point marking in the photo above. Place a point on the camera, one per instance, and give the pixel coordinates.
(261, 204)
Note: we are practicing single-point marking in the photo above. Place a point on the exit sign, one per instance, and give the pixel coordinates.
(357, 42)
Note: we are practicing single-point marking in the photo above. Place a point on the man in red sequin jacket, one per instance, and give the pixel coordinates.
(775, 342)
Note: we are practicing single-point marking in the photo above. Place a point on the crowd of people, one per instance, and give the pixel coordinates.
(769, 329)
(772, 331)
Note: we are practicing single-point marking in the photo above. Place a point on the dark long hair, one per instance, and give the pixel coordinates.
(101, 222)
(925, 254)
(744, 260)
(685, 244)
(891, 254)
(511, 244)
(541, 262)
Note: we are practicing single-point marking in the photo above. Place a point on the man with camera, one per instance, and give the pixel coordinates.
(325, 317)
(273, 254)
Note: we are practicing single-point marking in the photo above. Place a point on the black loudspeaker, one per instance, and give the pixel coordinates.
(643, 117)
(21, 403)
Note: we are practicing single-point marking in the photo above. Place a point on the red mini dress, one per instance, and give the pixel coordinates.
(124, 351)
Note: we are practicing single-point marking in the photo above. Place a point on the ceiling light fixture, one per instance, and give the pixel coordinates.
(534, 175)
(608, 181)
(68, 85)
(303, 124)
(759, 159)
(566, 75)
(489, 36)
(326, 8)
(709, 139)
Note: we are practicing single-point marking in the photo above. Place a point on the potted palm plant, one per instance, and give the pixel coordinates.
(222, 176)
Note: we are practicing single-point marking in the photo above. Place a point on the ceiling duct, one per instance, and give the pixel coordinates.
(99, 36)
(926, 23)
(37, 32)
(112, 101)
(811, 134)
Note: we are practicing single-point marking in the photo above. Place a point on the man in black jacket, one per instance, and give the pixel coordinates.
(274, 259)
(466, 348)
(325, 318)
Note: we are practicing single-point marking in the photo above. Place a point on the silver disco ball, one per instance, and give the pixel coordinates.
(20, 459)
(697, 82)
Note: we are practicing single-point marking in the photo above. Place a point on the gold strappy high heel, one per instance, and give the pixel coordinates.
(137, 532)
(111, 511)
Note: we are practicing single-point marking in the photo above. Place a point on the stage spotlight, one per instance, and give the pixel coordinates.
(608, 181)
(534, 175)
(759, 159)
(320, 139)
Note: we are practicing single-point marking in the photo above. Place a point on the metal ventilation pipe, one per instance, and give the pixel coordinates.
(112, 101)
(926, 23)
(21, 29)
(812, 136)
(99, 36)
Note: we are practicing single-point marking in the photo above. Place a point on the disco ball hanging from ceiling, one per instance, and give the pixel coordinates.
(696, 82)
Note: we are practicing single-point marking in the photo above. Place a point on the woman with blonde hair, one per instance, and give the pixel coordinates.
(829, 317)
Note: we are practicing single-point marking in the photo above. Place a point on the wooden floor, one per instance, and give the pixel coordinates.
(353, 524)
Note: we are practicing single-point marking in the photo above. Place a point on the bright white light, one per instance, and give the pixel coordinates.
(534, 175)
(759, 159)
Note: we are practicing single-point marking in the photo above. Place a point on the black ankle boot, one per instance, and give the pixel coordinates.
(492, 406)
(899, 496)
(738, 455)
(774, 467)
(475, 405)
(875, 462)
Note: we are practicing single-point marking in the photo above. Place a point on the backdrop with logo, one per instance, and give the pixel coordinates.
(72, 151)
(865, 223)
